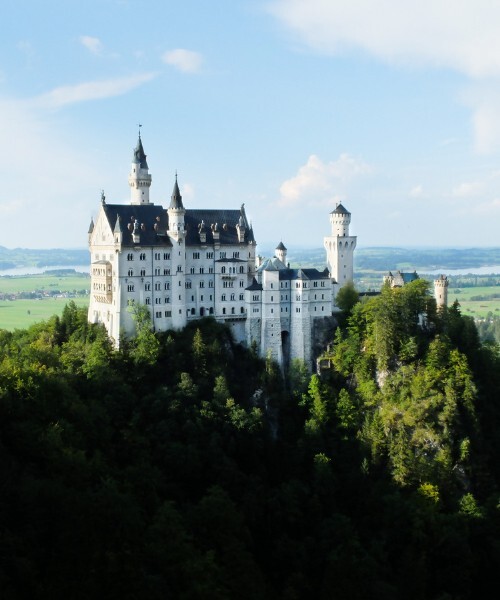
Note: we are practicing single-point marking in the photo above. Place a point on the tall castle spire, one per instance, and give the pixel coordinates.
(139, 178)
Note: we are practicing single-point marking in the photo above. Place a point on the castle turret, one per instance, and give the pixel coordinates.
(441, 291)
(139, 178)
(281, 252)
(177, 234)
(340, 247)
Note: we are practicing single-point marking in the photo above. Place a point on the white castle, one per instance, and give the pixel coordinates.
(185, 264)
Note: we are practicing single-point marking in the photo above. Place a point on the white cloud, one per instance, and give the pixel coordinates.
(186, 61)
(417, 191)
(467, 189)
(91, 90)
(440, 33)
(92, 44)
(316, 182)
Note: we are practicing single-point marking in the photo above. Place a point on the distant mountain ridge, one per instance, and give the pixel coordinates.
(378, 259)
(29, 257)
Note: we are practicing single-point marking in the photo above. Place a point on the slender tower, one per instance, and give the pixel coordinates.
(177, 234)
(441, 291)
(139, 178)
(340, 247)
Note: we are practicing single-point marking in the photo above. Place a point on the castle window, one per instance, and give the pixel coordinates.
(167, 286)
(147, 287)
(196, 255)
(236, 254)
(232, 310)
(210, 269)
(157, 300)
(272, 310)
(201, 298)
(166, 271)
(223, 297)
(272, 298)
(297, 310)
(192, 298)
(223, 311)
(211, 283)
(168, 313)
(191, 270)
(167, 300)
(322, 296)
(157, 286)
(192, 311)
(157, 271)
(232, 297)
(130, 288)
(315, 284)
(158, 314)
(202, 284)
(322, 284)
(130, 257)
(166, 256)
(211, 297)
(148, 300)
(157, 256)
(315, 308)
(130, 272)
(255, 297)
(143, 272)
(210, 254)
(242, 269)
(202, 270)
(179, 268)
(223, 270)
(188, 285)
(241, 297)
(222, 255)
(242, 283)
(142, 256)
(297, 297)
(272, 285)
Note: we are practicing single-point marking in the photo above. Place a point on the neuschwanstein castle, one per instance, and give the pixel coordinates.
(185, 264)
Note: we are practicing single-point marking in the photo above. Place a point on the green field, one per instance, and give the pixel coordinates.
(19, 314)
(477, 308)
(47, 282)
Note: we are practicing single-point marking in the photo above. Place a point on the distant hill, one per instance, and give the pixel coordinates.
(383, 259)
(28, 257)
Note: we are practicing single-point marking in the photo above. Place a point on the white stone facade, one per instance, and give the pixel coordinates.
(185, 264)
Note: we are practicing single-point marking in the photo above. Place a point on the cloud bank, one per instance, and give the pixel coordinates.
(319, 183)
(185, 61)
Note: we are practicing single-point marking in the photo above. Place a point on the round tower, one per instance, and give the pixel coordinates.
(281, 252)
(139, 178)
(340, 247)
(340, 220)
(441, 291)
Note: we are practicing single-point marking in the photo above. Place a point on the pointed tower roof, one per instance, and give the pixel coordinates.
(281, 246)
(118, 225)
(139, 155)
(91, 226)
(176, 198)
(341, 210)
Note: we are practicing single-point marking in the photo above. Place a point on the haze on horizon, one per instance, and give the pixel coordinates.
(288, 106)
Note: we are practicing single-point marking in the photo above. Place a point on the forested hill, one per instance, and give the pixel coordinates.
(184, 466)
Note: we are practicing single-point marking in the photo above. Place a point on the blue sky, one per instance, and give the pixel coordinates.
(287, 106)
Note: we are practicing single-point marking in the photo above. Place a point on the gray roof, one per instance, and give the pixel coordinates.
(280, 246)
(254, 286)
(176, 198)
(139, 156)
(340, 210)
(153, 224)
(91, 226)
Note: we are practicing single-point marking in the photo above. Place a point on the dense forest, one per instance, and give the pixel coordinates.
(184, 466)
